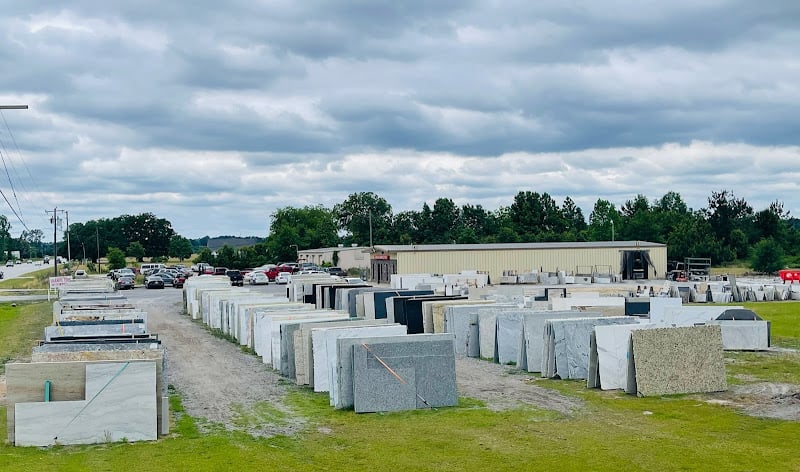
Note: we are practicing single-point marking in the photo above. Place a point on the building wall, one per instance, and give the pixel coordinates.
(523, 260)
(348, 257)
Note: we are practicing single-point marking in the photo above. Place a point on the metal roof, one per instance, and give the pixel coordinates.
(517, 246)
(331, 249)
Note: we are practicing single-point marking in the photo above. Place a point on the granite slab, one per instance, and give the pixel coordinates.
(678, 360)
(434, 379)
(532, 343)
(567, 345)
(323, 342)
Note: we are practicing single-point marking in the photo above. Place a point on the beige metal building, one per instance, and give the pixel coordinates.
(347, 257)
(631, 259)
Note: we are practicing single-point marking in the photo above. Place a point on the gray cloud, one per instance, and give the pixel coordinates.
(214, 115)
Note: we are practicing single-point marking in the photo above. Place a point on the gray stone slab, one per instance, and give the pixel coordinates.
(611, 353)
(323, 342)
(744, 335)
(287, 339)
(532, 343)
(509, 336)
(89, 330)
(462, 322)
(678, 360)
(487, 334)
(120, 404)
(567, 345)
(434, 379)
(342, 395)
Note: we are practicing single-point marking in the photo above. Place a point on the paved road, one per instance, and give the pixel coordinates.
(22, 269)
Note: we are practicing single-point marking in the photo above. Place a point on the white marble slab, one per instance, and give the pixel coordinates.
(120, 404)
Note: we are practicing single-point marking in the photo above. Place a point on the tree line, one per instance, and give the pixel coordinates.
(727, 229)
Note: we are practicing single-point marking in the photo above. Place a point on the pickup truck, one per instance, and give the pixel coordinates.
(237, 279)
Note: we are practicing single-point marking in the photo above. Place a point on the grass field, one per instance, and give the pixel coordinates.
(613, 431)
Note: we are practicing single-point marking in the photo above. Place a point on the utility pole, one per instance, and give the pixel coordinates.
(69, 253)
(97, 237)
(54, 219)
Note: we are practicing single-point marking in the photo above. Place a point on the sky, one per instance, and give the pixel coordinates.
(214, 114)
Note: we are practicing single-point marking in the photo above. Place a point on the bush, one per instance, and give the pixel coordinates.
(768, 256)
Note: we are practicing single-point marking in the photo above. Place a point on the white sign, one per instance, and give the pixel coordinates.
(59, 281)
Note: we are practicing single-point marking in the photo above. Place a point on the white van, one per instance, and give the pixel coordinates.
(147, 269)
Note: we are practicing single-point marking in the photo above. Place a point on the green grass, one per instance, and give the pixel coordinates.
(34, 280)
(785, 318)
(20, 326)
(612, 431)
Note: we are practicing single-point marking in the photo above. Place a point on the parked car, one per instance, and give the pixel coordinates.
(337, 271)
(237, 279)
(258, 278)
(9, 263)
(166, 277)
(30, 261)
(283, 278)
(154, 281)
(80, 274)
(178, 281)
(125, 283)
(273, 273)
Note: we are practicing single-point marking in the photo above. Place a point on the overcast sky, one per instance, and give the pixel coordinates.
(213, 114)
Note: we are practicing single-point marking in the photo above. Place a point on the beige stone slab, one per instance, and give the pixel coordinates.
(678, 360)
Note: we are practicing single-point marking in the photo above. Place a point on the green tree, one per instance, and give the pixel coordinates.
(360, 211)
(604, 221)
(307, 227)
(180, 247)
(204, 255)
(135, 249)
(768, 256)
(5, 234)
(537, 217)
(116, 258)
(726, 213)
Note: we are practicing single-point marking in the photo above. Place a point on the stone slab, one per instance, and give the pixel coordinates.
(288, 329)
(678, 360)
(434, 379)
(509, 336)
(323, 342)
(120, 403)
(487, 334)
(744, 335)
(532, 343)
(611, 350)
(567, 345)
(690, 315)
(342, 393)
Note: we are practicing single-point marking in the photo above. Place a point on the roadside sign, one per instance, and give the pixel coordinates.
(56, 282)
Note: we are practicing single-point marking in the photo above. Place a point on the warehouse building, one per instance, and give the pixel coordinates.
(346, 257)
(632, 260)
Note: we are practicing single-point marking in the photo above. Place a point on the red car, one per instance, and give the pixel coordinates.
(272, 273)
(178, 281)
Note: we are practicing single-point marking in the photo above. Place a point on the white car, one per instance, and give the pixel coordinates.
(257, 278)
(283, 278)
(80, 274)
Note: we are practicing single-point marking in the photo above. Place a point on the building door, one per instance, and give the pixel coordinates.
(382, 270)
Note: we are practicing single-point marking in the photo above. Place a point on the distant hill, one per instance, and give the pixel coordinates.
(232, 241)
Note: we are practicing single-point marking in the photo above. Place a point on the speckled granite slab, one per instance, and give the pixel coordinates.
(678, 360)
